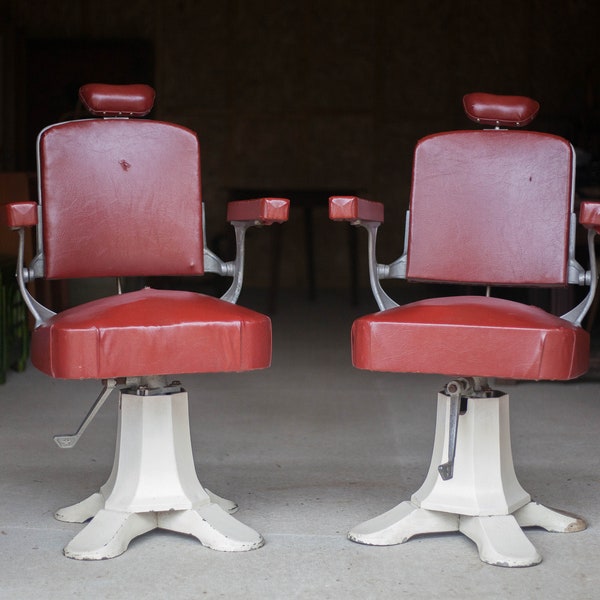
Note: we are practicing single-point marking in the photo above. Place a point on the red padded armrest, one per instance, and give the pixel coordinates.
(20, 214)
(264, 210)
(351, 208)
(589, 215)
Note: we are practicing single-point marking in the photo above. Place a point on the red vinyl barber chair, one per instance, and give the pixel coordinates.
(491, 207)
(120, 196)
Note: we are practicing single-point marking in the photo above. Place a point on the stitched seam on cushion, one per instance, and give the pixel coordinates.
(541, 361)
(241, 345)
(98, 340)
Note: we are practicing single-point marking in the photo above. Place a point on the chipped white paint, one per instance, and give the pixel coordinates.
(153, 484)
(483, 500)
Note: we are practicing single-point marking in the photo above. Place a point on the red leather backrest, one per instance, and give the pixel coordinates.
(120, 197)
(491, 207)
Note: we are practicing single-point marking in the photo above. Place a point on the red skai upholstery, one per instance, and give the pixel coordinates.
(488, 208)
(105, 100)
(473, 336)
(501, 111)
(152, 331)
(121, 197)
(115, 202)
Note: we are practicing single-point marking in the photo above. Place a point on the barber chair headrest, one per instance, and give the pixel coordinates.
(500, 111)
(104, 100)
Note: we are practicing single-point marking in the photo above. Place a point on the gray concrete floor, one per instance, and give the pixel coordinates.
(308, 448)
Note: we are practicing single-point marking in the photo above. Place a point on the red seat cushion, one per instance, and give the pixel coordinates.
(471, 336)
(152, 332)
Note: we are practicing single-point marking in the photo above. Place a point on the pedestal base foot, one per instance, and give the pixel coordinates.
(479, 495)
(227, 505)
(153, 484)
(500, 541)
(213, 528)
(499, 538)
(550, 519)
(109, 532)
(402, 522)
(82, 511)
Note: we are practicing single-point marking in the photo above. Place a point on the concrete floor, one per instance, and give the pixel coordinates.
(308, 448)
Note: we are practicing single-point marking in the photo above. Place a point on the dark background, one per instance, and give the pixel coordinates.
(319, 95)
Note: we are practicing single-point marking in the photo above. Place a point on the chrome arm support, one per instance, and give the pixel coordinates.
(236, 268)
(590, 278)
(40, 313)
(376, 271)
(577, 274)
(213, 264)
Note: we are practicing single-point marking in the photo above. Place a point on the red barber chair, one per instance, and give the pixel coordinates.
(491, 207)
(120, 197)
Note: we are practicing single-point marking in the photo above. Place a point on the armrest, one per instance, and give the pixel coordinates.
(243, 214)
(20, 214)
(589, 215)
(369, 215)
(351, 208)
(264, 210)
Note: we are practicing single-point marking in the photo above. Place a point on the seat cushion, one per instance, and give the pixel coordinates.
(471, 336)
(152, 332)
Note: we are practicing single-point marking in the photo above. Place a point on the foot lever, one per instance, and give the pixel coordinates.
(455, 389)
(68, 441)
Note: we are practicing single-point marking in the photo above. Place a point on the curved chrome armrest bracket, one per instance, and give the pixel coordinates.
(376, 271)
(40, 313)
(576, 315)
(242, 215)
(236, 268)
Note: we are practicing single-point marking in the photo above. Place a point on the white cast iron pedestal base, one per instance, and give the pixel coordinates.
(483, 499)
(153, 484)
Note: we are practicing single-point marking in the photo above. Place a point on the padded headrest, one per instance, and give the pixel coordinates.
(500, 111)
(104, 100)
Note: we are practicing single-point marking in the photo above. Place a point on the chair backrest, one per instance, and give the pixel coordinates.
(493, 206)
(120, 196)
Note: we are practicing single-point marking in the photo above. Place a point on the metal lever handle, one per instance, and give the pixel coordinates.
(69, 440)
(456, 389)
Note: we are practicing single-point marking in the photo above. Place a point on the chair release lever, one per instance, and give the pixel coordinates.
(69, 440)
(455, 389)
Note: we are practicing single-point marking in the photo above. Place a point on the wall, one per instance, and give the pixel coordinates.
(333, 94)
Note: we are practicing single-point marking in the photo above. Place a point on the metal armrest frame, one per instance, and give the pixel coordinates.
(577, 275)
(40, 313)
(369, 215)
(577, 314)
(235, 268)
(243, 215)
(212, 263)
(378, 271)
